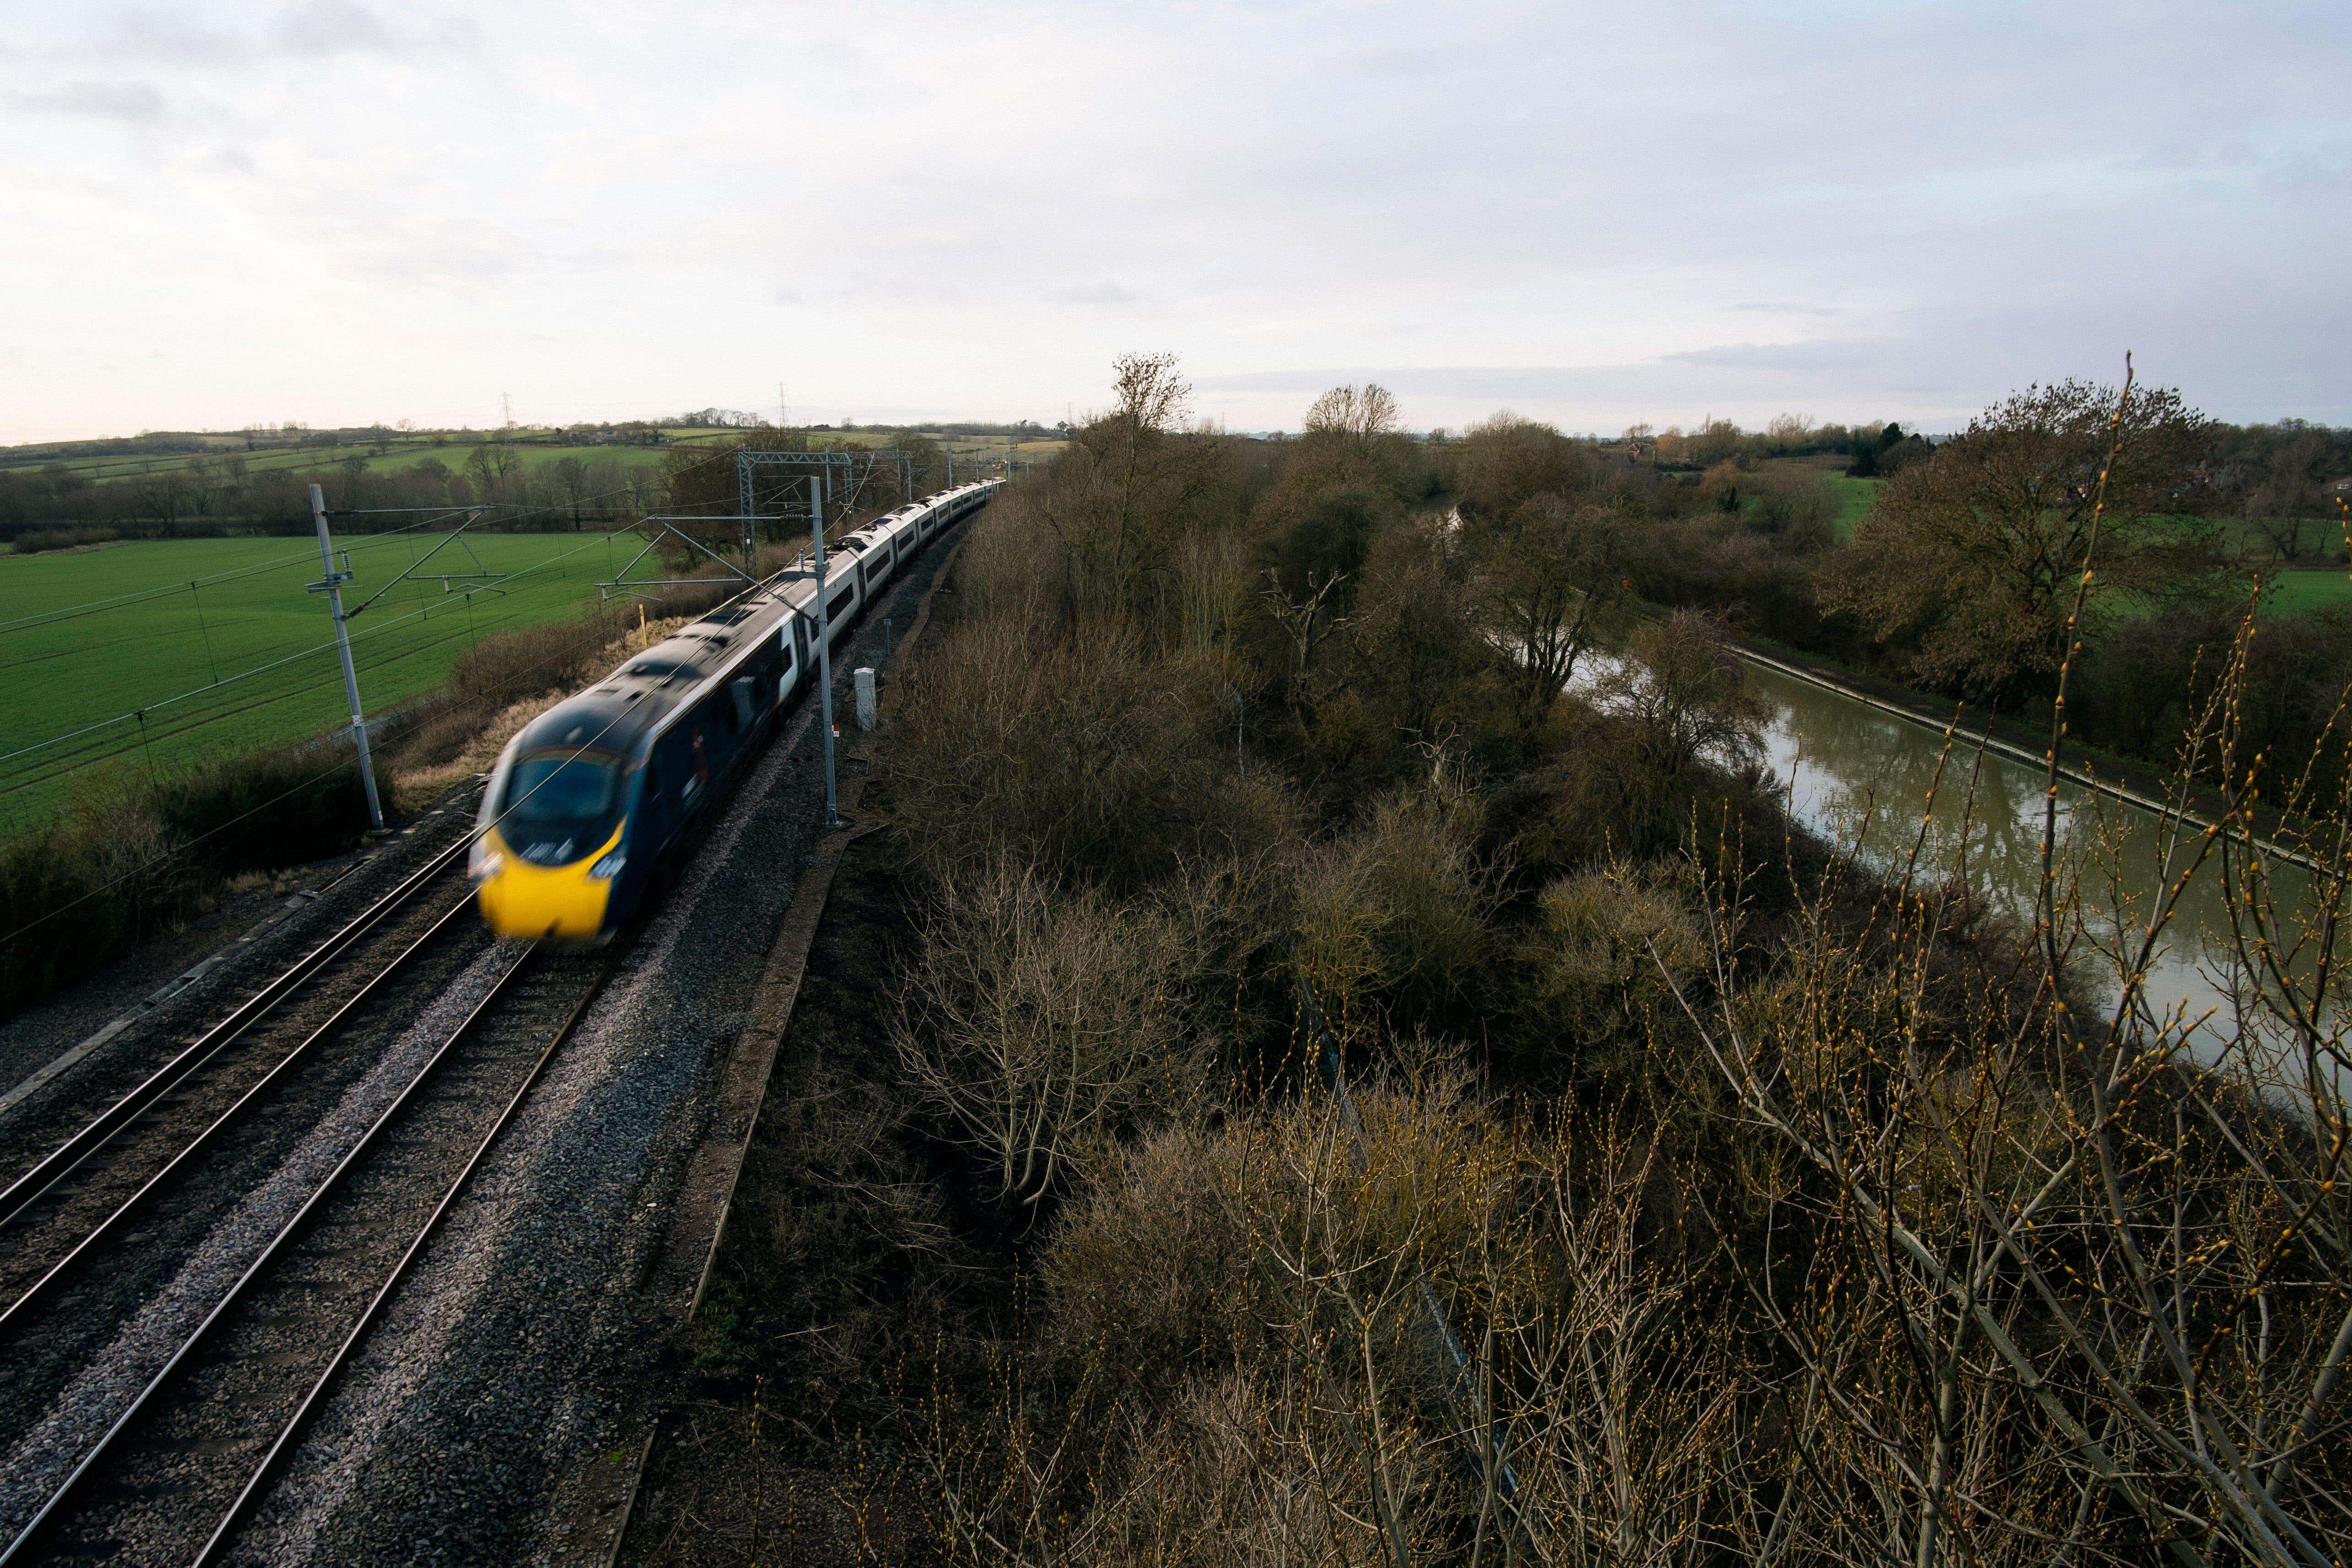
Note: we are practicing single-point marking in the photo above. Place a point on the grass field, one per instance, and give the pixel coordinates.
(1855, 497)
(319, 460)
(67, 668)
(2293, 592)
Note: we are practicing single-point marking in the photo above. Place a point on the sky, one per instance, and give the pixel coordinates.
(219, 215)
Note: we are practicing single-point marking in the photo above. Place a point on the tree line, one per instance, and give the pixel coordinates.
(1310, 1089)
(592, 481)
(1961, 578)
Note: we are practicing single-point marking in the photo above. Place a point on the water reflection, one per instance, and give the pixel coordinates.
(1850, 769)
(1863, 780)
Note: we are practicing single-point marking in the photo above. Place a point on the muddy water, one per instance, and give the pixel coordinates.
(1863, 778)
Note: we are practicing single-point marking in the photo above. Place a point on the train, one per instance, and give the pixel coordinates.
(588, 813)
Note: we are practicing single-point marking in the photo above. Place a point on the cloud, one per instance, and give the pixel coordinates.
(1593, 216)
(323, 27)
(164, 37)
(1104, 293)
(134, 103)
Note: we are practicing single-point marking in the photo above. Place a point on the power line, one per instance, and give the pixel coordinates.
(93, 606)
(199, 719)
(376, 630)
(332, 767)
(164, 590)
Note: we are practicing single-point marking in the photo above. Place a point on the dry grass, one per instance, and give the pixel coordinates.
(456, 741)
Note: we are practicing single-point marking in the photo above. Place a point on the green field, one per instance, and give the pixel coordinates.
(402, 454)
(72, 662)
(2293, 592)
(1855, 497)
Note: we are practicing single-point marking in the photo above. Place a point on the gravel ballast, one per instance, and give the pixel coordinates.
(531, 1339)
(39, 1460)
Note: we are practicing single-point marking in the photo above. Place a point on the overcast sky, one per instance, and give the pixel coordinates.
(218, 214)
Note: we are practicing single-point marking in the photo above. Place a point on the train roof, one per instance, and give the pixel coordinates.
(619, 712)
(601, 718)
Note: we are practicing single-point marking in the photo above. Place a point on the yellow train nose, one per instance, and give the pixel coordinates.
(520, 899)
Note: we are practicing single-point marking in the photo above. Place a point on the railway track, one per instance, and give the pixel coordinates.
(175, 1474)
(96, 1229)
(98, 1179)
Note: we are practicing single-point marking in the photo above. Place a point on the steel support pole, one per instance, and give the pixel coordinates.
(824, 652)
(334, 587)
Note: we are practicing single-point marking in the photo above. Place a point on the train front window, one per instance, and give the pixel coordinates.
(560, 805)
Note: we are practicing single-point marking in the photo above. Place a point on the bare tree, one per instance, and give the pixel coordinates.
(1124, 492)
(1038, 1024)
(2106, 1251)
(1307, 621)
(1551, 585)
(1689, 693)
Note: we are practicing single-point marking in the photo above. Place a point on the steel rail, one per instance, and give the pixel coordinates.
(17, 1310)
(258, 1484)
(62, 1497)
(60, 1160)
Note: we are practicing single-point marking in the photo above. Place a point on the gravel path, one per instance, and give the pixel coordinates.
(531, 1338)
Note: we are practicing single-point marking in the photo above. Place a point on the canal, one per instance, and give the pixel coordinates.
(1863, 778)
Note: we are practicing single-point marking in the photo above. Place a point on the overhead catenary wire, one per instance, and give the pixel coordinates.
(202, 719)
(333, 767)
(316, 647)
(205, 720)
(164, 591)
(378, 630)
(366, 541)
(396, 721)
(83, 758)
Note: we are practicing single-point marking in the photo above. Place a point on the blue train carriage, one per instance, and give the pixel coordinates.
(587, 813)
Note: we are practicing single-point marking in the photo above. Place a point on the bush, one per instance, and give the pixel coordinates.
(124, 867)
(1395, 915)
(1597, 964)
(33, 541)
(1078, 755)
(1040, 1025)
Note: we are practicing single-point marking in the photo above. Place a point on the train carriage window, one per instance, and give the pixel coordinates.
(741, 689)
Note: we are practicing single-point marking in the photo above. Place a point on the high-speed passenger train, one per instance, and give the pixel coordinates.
(587, 811)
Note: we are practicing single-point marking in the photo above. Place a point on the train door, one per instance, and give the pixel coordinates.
(791, 639)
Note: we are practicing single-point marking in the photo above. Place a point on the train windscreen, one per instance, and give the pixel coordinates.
(560, 805)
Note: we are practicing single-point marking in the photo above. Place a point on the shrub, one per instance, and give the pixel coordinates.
(1039, 1025)
(1396, 914)
(126, 866)
(33, 541)
(1078, 756)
